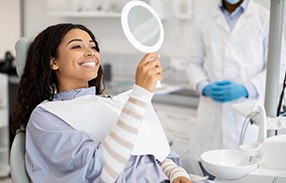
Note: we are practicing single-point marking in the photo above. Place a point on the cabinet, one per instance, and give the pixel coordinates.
(4, 127)
(86, 8)
(84, 14)
(177, 122)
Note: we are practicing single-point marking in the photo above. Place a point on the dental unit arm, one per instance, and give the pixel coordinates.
(271, 151)
(253, 149)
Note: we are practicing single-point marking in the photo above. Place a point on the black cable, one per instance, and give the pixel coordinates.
(281, 96)
(280, 102)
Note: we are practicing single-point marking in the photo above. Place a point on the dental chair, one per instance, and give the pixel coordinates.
(17, 152)
(17, 159)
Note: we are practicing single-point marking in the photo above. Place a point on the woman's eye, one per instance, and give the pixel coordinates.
(76, 47)
(94, 47)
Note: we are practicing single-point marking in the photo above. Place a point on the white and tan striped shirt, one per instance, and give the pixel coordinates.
(117, 146)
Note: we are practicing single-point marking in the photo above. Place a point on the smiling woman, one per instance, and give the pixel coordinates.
(75, 135)
(78, 60)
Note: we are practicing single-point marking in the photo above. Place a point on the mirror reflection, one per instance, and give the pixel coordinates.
(144, 26)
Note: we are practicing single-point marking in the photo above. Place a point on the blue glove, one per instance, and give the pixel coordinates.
(231, 91)
(225, 91)
(214, 91)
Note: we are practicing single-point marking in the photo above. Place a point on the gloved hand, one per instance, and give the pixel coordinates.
(213, 91)
(225, 91)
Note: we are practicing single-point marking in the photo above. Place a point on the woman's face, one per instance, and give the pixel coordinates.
(77, 62)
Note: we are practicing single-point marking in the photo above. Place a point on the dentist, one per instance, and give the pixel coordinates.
(227, 64)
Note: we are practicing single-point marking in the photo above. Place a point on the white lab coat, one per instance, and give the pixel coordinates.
(217, 54)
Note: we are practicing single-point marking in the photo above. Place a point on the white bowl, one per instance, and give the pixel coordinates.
(228, 164)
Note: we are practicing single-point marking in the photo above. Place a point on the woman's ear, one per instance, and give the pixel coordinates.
(53, 64)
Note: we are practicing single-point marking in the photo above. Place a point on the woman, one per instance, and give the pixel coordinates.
(62, 75)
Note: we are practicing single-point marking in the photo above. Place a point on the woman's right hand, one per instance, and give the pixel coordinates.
(149, 72)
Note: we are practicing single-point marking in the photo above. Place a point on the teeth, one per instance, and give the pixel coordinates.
(88, 64)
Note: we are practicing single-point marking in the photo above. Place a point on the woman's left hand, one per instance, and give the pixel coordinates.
(182, 179)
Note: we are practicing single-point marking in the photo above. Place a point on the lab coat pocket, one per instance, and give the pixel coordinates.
(251, 46)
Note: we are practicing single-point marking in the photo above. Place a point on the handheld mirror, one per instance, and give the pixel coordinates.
(142, 27)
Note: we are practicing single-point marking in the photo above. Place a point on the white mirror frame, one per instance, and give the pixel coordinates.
(125, 26)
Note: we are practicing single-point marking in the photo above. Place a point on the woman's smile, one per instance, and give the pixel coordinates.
(89, 64)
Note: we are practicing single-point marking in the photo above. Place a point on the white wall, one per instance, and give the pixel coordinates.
(10, 25)
(108, 30)
(114, 45)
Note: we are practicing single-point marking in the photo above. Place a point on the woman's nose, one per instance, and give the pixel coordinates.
(89, 53)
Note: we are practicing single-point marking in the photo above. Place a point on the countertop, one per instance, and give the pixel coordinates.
(183, 97)
(169, 93)
(178, 94)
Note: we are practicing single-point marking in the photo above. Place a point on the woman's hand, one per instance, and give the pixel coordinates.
(181, 179)
(149, 71)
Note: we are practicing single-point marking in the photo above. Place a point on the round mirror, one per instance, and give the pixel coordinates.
(142, 26)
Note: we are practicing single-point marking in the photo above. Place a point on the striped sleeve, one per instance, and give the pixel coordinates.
(172, 170)
(117, 146)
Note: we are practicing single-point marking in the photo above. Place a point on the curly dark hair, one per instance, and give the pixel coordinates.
(38, 79)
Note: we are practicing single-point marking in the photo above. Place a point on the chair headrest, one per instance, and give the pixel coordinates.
(21, 48)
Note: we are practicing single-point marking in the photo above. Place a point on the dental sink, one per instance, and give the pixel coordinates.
(262, 161)
(228, 164)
